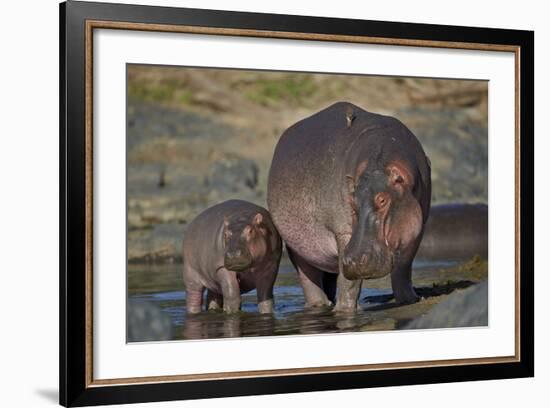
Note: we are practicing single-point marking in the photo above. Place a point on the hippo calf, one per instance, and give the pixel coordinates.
(349, 192)
(229, 249)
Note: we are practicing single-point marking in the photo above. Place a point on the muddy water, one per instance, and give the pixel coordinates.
(158, 289)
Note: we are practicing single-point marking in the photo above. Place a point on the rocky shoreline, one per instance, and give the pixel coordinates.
(179, 169)
(196, 137)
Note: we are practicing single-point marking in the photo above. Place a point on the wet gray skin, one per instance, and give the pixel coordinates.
(349, 192)
(230, 249)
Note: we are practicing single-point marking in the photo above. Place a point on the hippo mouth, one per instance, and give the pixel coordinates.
(237, 265)
(237, 259)
(373, 264)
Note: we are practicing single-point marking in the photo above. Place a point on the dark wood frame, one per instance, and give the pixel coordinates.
(77, 21)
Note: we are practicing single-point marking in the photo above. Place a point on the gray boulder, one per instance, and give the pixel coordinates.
(233, 173)
(161, 243)
(147, 322)
(464, 308)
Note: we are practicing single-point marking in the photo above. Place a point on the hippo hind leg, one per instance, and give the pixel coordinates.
(214, 301)
(311, 280)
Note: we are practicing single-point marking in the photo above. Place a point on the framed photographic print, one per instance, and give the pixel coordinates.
(256, 203)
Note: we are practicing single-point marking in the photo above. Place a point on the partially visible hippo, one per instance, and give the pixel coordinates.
(350, 192)
(455, 231)
(229, 249)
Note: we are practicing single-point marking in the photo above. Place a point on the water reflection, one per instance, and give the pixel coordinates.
(216, 325)
(289, 317)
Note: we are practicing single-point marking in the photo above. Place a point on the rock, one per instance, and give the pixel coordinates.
(147, 322)
(162, 243)
(457, 147)
(464, 308)
(233, 173)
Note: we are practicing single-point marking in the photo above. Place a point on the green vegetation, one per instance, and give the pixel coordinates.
(475, 269)
(290, 89)
(163, 92)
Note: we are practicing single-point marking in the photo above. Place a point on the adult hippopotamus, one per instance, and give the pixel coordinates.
(454, 232)
(229, 249)
(349, 192)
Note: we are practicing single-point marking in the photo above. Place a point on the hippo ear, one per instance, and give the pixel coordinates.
(399, 174)
(258, 218)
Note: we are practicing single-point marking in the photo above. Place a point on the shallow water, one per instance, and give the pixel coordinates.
(152, 296)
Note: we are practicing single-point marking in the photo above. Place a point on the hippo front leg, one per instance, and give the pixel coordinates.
(348, 294)
(230, 290)
(265, 306)
(348, 290)
(264, 287)
(401, 283)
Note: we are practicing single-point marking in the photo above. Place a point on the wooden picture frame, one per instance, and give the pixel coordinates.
(78, 20)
